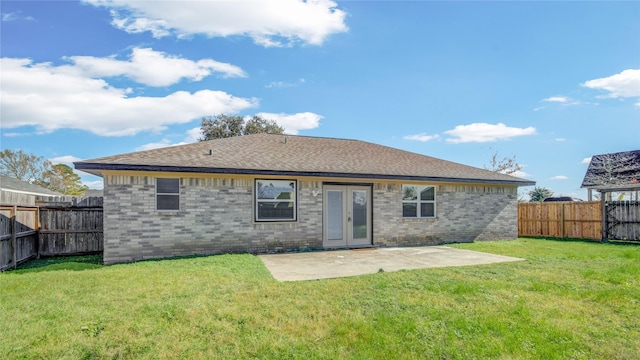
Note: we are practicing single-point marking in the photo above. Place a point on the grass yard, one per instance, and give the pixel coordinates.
(569, 300)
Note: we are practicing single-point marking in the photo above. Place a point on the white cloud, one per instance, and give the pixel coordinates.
(13, 134)
(560, 139)
(293, 123)
(283, 84)
(483, 132)
(96, 185)
(624, 84)
(15, 16)
(278, 84)
(157, 145)
(586, 160)
(423, 137)
(268, 23)
(560, 99)
(149, 67)
(559, 177)
(521, 174)
(67, 160)
(50, 98)
(133, 25)
(192, 136)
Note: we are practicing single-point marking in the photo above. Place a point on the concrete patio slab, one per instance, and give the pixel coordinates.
(342, 263)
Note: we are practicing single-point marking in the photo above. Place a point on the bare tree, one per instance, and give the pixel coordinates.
(35, 170)
(507, 165)
(23, 166)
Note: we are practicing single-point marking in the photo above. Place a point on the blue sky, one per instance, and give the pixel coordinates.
(551, 83)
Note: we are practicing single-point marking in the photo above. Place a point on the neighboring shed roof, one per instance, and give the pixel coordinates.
(8, 183)
(286, 155)
(614, 171)
(94, 193)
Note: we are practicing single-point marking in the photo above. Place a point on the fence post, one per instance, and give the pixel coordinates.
(603, 207)
(38, 234)
(14, 246)
(564, 234)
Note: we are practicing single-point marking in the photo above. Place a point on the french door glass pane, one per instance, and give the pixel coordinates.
(359, 214)
(334, 216)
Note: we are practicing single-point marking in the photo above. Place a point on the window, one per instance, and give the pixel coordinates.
(275, 200)
(167, 194)
(418, 201)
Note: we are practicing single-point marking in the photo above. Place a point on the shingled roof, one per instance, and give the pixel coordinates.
(613, 171)
(286, 155)
(8, 183)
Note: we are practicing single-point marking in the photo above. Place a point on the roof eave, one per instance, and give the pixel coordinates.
(613, 188)
(97, 168)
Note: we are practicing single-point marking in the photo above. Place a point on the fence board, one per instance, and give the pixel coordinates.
(577, 220)
(583, 220)
(70, 230)
(18, 235)
(64, 226)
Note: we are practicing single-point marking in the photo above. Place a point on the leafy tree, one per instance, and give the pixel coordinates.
(23, 166)
(62, 179)
(36, 170)
(507, 165)
(539, 193)
(224, 126)
(258, 124)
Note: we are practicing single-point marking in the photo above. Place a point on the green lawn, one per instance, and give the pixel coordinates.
(569, 300)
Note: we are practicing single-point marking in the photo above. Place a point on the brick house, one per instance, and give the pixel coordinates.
(271, 193)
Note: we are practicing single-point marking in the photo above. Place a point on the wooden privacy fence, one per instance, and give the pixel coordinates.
(71, 228)
(56, 226)
(577, 220)
(18, 235)
(581, 220)
(622, 220)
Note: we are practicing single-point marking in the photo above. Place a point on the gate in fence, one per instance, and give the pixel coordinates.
(622, 221)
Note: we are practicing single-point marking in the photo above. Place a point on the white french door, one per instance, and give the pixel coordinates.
(347, 216)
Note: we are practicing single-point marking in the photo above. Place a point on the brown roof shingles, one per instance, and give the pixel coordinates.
(297, 155)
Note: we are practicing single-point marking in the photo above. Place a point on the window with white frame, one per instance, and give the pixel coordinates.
(167, 194)
(275, 200)
(418, 201)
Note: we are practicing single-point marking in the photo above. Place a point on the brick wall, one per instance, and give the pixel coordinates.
(463, 214)
(216, 216)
